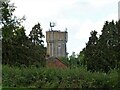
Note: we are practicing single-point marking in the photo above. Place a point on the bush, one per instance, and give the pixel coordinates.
(33, 77)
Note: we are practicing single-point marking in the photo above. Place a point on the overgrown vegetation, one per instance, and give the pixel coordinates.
(33, 77)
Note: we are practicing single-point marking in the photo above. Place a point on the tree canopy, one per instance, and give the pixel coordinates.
(18, 49)
(103, 53)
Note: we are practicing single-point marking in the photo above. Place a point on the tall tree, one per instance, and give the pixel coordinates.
(36, 35)
(17, 48)
(7, 21)
(38, 48)
(117, 49)
(90, 51)
(103, 53)
(13, 35)
(107, 43)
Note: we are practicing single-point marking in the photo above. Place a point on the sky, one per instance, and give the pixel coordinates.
(80, 17)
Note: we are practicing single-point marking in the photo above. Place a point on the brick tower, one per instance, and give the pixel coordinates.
(56, 42)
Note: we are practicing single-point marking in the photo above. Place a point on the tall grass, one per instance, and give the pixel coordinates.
(33, 77)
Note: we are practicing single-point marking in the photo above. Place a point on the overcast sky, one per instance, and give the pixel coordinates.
(80, 17)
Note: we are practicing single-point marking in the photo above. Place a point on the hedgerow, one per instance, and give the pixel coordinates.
(32, 77)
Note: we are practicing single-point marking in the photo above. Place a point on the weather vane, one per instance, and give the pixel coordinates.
(52, 25)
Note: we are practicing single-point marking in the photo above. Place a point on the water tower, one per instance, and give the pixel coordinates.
(56, 42)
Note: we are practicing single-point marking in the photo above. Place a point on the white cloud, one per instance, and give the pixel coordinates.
(79, 16)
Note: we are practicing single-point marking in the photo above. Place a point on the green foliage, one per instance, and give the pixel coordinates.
(81, 58)
(36, 35)
(65, 60)
(74, 61)
(71, 61)
(17, 49)
(33, 77)
(90, 51)
(102, 54)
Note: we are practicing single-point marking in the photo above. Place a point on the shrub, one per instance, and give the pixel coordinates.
(33, 77)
